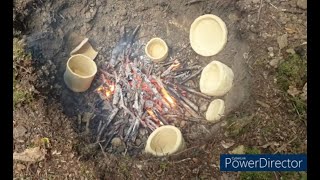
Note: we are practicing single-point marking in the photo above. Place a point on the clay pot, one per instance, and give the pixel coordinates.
(157, 50)
(165, 140)
(216, 79)
(215, 110)
(86, 49)
(80, 72)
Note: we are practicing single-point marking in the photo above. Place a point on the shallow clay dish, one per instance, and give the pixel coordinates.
(208, 35)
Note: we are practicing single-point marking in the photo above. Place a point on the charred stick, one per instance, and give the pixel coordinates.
(111, 135)
(193, 91)
(185, 105)
(196, 67)
(108, 121)
(186, 100)
(160, 117)
(172, 67)
(135, 129)
(192, 76)
(151, 86)
(129, 130)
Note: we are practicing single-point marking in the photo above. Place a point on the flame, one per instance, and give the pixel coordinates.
(175, 64)
(167, 97)
(106, 91)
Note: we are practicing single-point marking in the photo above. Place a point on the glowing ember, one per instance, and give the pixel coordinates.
(167, 97)
(154, 117)
(106, 91)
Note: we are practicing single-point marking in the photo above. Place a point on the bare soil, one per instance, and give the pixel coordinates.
(259, 114)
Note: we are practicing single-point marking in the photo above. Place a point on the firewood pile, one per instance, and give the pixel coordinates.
(136, 96)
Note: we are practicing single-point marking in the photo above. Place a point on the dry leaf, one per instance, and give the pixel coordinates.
(226, 145)
(30, 155)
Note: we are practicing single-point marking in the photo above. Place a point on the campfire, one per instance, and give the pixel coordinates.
(134, 96)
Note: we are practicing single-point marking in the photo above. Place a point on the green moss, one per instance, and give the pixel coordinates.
(256, 175)
(21, 63)
(252, 150)
(292, 71)
(21, 96)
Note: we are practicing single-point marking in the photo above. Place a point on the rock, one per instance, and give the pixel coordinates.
(195, 160)
(302, 4)
(291, 51)
(303, 95)
(271, 54)
(283, 41)
(86, 117)
(183, 123)
(274, 62)
(203, 107)
(270, 49)
(88, 15)
(116, 142)
(238, 150)
(142, 132)
(20, 167)
(19, 131)
(138, 142)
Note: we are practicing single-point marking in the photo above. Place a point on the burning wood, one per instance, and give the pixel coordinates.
(142, 95)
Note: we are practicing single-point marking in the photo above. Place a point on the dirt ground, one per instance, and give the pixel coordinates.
(266, 108)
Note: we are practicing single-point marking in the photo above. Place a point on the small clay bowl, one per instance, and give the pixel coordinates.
(157, 50)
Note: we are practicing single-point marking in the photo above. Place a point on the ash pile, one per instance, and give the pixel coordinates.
(134, 96)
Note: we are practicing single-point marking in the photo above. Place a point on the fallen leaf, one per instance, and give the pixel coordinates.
(227, 145)
(238, 150)
(293, 91)
(290, 31)
(30, 155)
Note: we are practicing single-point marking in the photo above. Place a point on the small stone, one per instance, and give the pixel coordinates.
(91, 10)
(238, 150)
(270, 49)
(91, 5)
(283, 41)
(19, 131)
(274, 62)
(203, 107)
(20, 167)
(291, 51)
(138, 142)
(88, 15)
(302, 4)
(142, 132)
(116, 142)
(195, 160)
(271, 54)
(86, 117)
(183, 123)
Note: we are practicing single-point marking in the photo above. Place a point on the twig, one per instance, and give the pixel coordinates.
(259, 11)
(194, 92)
(192, 76)
(110, 118)
(193, 2)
